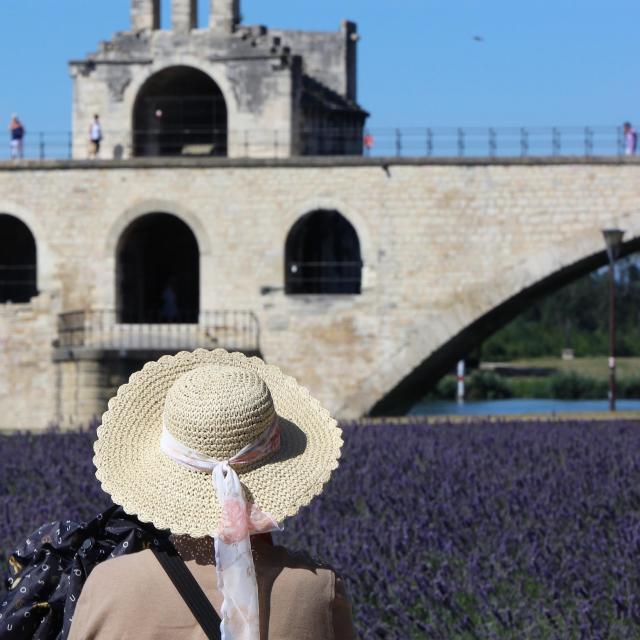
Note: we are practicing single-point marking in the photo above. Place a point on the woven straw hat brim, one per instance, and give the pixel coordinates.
(145, 482)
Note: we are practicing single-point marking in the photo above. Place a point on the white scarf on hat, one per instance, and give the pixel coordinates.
(234, 560)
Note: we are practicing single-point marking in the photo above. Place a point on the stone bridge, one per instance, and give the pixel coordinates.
(445, 253)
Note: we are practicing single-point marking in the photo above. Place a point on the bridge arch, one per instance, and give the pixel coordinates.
(404, 393)
(18, 261)
(323, 255)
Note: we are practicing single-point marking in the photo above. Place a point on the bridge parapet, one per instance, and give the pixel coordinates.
(95, 353)
(102, 331)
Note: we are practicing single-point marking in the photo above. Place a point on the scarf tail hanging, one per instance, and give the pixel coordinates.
(236, 574)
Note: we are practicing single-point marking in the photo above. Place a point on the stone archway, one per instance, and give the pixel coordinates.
(158, 272)
(180, 110)
(18, 261)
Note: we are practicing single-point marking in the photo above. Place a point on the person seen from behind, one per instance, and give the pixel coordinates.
(17, 133)
(630, 139)
(95, 137)
(217, 449)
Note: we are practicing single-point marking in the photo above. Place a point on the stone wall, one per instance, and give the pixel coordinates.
(29, 385)
(328, 57)
(442, 244)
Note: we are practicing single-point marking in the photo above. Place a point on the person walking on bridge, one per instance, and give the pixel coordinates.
(630, 139)
(217, 449)
(95, 137)
(17, 133)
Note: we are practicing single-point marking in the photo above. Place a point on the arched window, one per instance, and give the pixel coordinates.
(322, 255)
(17, 260)
(158, 271)
(180, 111)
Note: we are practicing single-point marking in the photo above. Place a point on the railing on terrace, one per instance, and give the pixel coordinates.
(102, 330)
(324, 277)
(441, 142)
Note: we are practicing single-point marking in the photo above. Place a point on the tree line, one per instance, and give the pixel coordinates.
(575, 317)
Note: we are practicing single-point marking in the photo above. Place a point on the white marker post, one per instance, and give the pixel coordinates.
(460, 378)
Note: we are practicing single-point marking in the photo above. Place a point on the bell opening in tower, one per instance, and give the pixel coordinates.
(180, 111)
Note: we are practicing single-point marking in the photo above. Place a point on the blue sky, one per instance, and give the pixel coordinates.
(548, 62)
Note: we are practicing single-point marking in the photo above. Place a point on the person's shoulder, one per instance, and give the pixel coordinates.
(134, 567)
(307, 598)
(113, 596)
(295, 570)
(294, 559)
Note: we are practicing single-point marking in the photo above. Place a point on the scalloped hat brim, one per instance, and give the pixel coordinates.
(145, 482)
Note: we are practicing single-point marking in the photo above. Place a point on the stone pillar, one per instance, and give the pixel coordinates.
(224, 15)
(81, 394)
(184, 15)
(145, 15)
(350, 31)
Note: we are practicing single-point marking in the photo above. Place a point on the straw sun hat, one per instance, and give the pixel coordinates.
(215, 403)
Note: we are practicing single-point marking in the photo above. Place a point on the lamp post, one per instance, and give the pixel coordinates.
(613, 241)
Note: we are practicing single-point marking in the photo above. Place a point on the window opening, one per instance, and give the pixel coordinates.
(158, 272)
(204, 7)
(323, 255)
(18, 267)
(165, 14)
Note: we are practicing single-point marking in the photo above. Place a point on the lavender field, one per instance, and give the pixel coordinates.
(447, 531)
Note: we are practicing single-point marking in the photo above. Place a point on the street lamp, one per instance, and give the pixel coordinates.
(613, 240)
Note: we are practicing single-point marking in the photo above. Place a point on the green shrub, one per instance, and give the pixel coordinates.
(446, 388)
(629, 388)
(530, 387)
(573, 386)
(487, 385)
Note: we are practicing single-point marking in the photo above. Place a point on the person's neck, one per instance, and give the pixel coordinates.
(202, 550)
(198, 549)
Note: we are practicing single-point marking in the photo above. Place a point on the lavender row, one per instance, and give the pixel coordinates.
(472, 530)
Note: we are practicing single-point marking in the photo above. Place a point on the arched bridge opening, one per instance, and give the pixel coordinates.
(413, 387)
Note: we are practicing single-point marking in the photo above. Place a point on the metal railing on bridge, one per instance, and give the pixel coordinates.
(459, 142)
(436, 142)
(102, 330)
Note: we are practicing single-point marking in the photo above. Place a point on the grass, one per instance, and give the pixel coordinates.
(595, 367)
(577, 379)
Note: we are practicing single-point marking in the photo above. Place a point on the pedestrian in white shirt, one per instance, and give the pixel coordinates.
(95, 137)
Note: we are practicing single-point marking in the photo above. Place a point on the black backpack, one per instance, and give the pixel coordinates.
(47, 572)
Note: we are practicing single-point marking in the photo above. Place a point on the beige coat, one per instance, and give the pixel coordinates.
(132, 597)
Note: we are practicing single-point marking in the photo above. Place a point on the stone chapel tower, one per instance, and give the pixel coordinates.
(225, 90)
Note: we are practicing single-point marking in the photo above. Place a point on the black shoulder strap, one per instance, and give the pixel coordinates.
(190, 591)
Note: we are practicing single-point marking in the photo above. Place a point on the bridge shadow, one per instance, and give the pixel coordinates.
(442, 361)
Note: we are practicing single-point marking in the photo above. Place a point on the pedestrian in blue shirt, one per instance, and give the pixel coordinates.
(17, 132)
